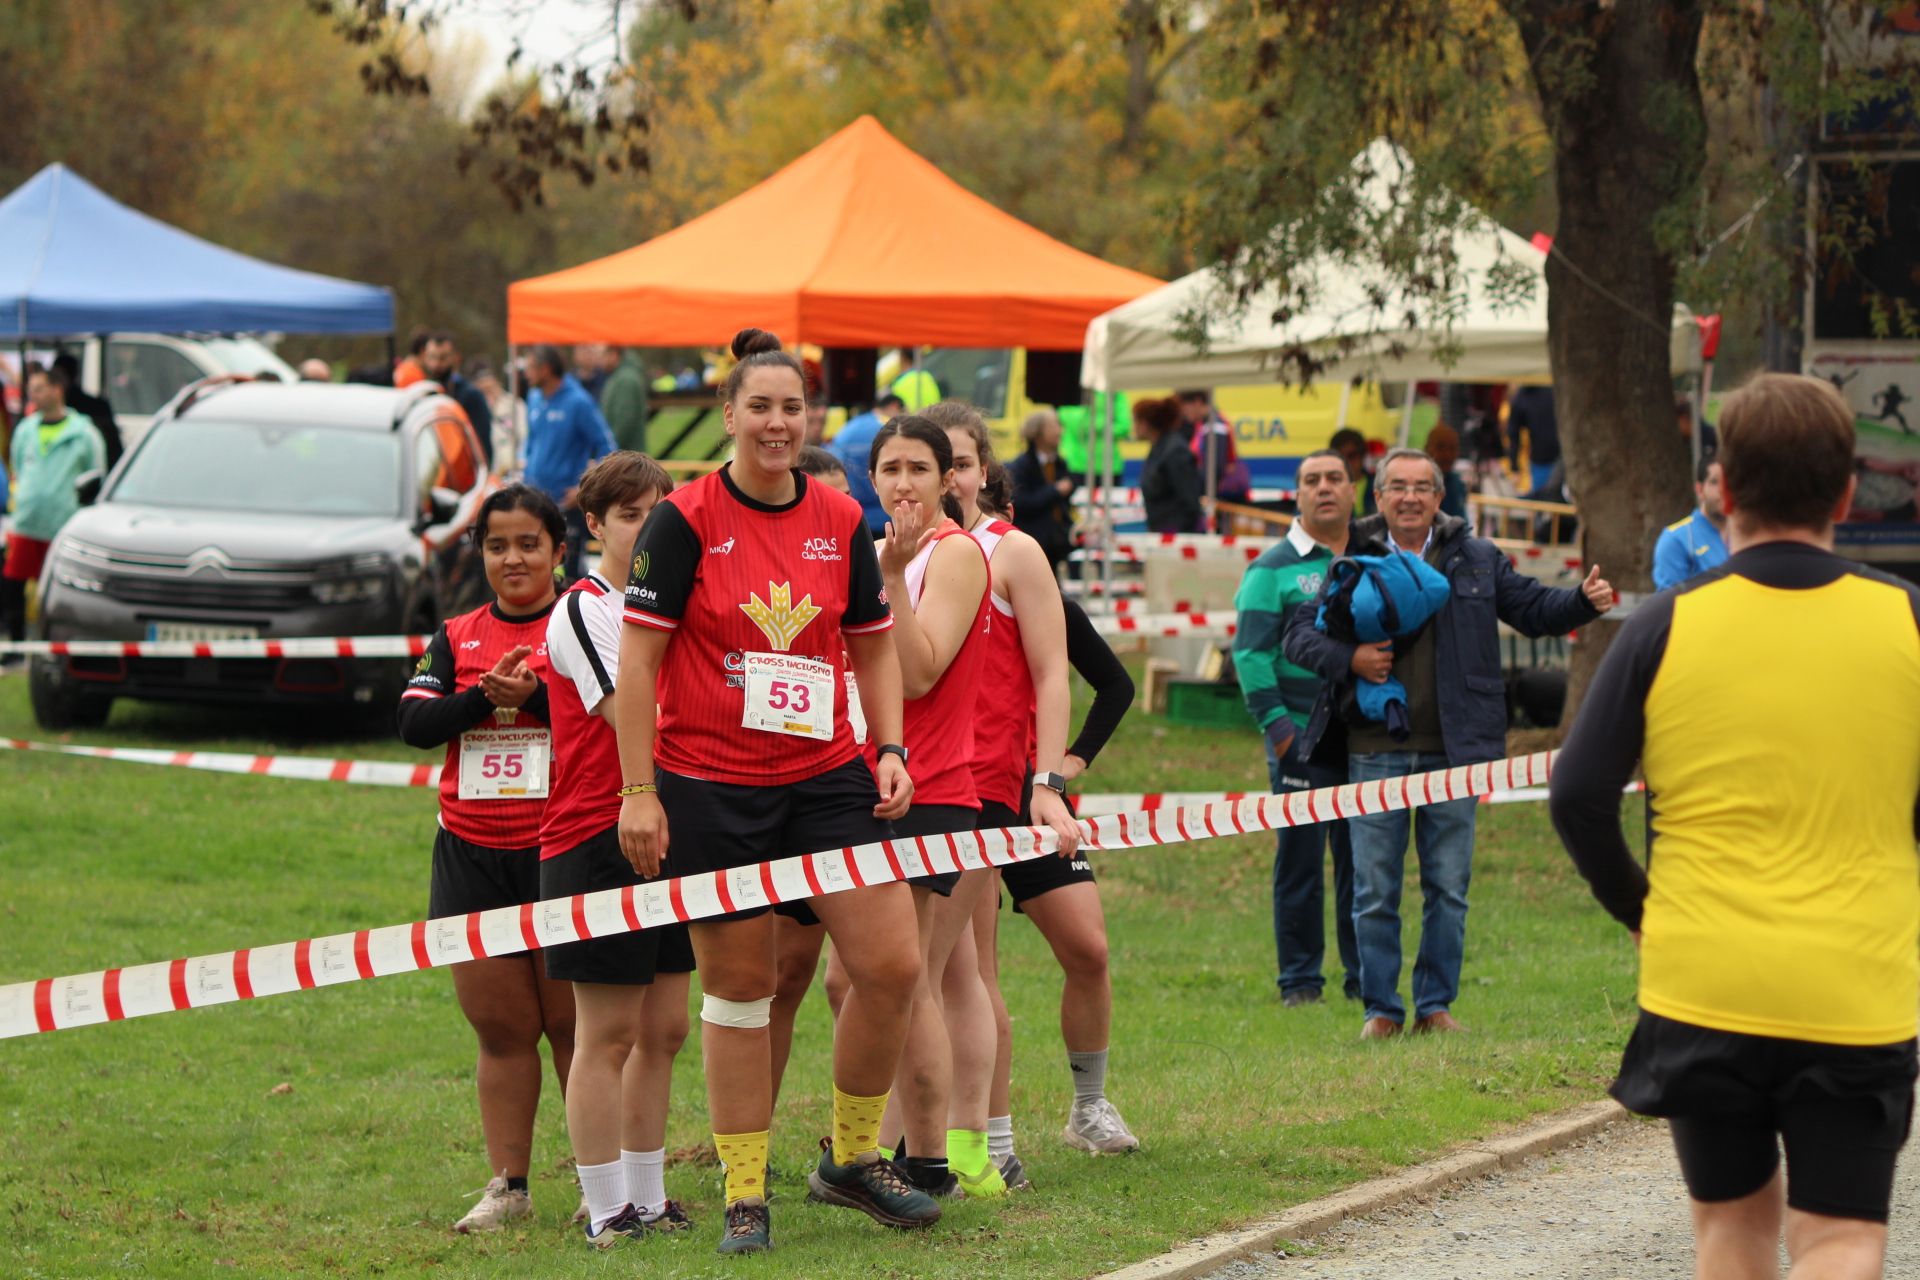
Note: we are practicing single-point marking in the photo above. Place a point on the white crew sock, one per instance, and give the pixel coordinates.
(646, 1180)
(999, 1137)
(605, 1186)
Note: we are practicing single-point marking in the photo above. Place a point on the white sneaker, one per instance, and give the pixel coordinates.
(1096, 1126)
(498, 1206)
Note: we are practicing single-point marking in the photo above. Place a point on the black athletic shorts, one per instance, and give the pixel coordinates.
(1842, 1111)
(716, 826)
(935, 820)
(1027, 880)
(620, 959)
(472, 877)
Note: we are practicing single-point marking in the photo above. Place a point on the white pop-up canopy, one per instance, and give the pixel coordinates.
(1475, 337)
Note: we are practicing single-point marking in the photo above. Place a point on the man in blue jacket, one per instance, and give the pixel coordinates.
(565, 436)
(1456, 700)
(1689, 547)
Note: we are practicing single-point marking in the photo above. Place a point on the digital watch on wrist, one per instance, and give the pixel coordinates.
(892, 749)
(1053, 782)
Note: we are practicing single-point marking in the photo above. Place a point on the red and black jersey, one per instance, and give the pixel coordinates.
(728, 576)
(1003, 735)
(938, 725)
(583, 648)
(443, 703)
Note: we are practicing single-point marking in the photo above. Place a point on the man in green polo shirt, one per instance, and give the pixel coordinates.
(1281, 697)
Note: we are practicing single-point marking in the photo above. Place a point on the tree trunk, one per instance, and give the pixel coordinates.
(1622, 102)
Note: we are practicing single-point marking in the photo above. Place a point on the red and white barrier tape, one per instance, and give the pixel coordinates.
(1185, 546)
(1220, 622)
(110, 995)
(372, 773)
(1094, 804)
(292, 647)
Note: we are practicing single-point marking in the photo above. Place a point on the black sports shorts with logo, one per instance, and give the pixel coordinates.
(620, 959)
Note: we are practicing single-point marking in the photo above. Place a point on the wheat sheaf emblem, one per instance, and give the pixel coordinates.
(781, 620)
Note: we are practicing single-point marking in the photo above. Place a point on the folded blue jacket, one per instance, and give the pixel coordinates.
(1373, 598)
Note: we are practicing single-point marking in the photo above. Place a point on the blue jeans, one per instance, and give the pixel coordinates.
(1443, 839)
(1299, 910)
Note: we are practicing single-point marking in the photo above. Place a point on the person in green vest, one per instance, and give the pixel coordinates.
(916, 387)
(1281, 697)
(52, 447)
(623, 399)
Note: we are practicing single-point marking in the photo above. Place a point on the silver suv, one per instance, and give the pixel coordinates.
(269, 510)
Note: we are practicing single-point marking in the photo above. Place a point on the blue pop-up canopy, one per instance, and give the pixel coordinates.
(73, 260)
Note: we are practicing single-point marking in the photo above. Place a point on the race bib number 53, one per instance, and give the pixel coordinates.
(789, 695)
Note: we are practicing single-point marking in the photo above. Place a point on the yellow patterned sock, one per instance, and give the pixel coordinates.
(745, 1157)
(856, 1125)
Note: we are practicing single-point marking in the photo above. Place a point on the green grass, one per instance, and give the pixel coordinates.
(157, 1147)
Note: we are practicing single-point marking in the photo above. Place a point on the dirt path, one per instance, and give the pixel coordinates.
(1610, 1206)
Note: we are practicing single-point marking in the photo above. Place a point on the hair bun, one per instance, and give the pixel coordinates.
(751, 342)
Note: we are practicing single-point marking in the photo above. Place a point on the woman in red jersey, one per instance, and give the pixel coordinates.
(750, 590)
(480, 692)
(1057, 894)
(928, 562)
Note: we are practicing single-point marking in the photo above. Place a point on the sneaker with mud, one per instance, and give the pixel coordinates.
(498, 1206)
(672, 1218)
(1014, 1174)
(876, 1188)
(749, 1227)
(622, 1227)
(1096, 1126)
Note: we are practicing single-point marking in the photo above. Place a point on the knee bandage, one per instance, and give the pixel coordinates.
(748, 1014)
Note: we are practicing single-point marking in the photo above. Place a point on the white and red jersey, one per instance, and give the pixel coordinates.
(1003, 734)
(464, 649)
(732, 577)
(583, 649)
(939, 725)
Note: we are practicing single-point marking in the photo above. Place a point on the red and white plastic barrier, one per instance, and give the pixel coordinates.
(292, 647)
(1100, 803)
(372, 773)
(111, 995)
(1218, 623)
(1184, 546)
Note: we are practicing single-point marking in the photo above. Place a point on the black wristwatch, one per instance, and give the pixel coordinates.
(1053, 782)
(892, 749)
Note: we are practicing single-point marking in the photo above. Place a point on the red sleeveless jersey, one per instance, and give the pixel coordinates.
(730, 576)
(938, 725)
(583, 651)
(466, 648)
(1004, 709)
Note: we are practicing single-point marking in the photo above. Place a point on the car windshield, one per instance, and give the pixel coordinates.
(977, 375)
(286, 468)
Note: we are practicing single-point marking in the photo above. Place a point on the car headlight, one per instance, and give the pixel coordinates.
(71, 571)
(357, 581)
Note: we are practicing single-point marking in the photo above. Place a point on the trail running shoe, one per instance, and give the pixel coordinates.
(625, 1225)
(498, 1206)
(749, 1227)
(672, 1218)
(1014, 1174)
(877, 1189)
(1096, 1126)
(985, 1185)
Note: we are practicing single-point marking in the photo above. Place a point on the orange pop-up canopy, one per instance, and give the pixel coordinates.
(860, 242)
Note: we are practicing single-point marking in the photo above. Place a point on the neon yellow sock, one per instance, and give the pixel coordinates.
(856, 1125)
(967, 1152)
(745, 1158)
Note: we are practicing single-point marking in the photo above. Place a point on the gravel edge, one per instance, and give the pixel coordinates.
(1303, 1222)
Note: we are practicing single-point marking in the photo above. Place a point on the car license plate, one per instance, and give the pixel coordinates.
(199, 632)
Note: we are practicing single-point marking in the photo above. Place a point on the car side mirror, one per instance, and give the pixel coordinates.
(86, 486)
(442, 505)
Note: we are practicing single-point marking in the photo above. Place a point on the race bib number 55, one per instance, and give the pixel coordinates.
(504, 764)
(789, 695)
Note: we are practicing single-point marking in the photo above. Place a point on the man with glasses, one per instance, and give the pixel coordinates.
(1456, 700)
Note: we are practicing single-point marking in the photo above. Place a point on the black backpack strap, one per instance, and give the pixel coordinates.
(586, 643)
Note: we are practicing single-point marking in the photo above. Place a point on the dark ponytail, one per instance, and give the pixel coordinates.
(911, 426)
(996, 489)
(758, 349)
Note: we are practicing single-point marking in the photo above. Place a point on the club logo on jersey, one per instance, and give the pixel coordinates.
(820, 549)
(469, 644)
(421, 667)
(1310, 583)
(722, 549)
(640, 566)
(782, 620)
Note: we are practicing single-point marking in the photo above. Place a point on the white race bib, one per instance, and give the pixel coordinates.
(856, 714)
(792, 695)
(504, 764)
